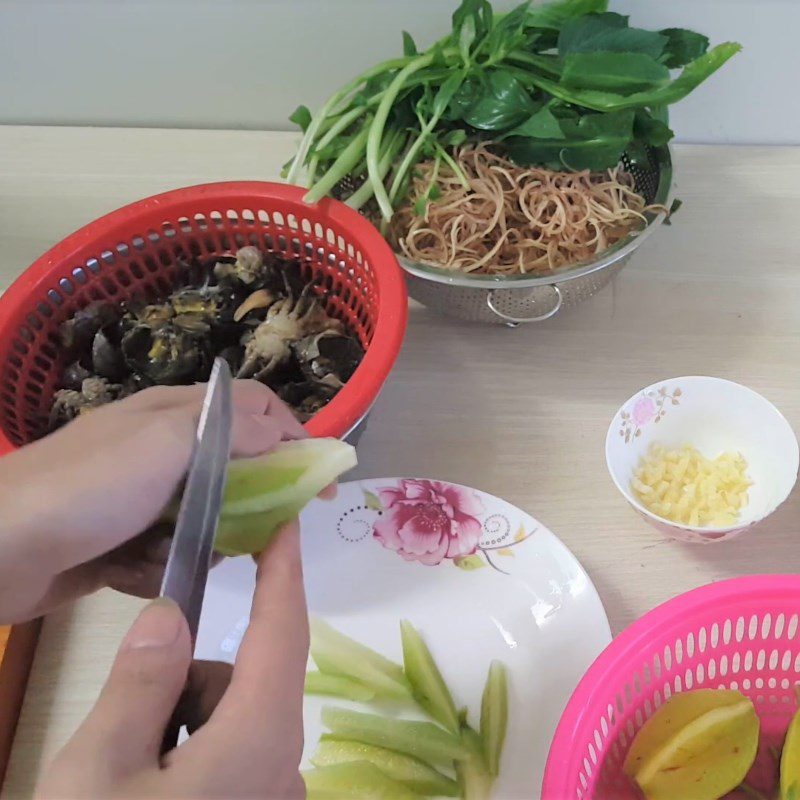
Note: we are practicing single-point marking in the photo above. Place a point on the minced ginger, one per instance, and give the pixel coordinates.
(685, 487)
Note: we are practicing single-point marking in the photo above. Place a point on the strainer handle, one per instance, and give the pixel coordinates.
(518, 320)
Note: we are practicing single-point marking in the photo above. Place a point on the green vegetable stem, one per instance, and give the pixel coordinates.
(569, 85)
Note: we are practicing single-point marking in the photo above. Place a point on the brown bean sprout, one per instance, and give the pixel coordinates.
(515, 220)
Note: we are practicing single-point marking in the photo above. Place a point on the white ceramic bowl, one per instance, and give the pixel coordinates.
(715, 416)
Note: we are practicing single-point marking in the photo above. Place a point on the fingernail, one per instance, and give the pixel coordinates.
(158, 625)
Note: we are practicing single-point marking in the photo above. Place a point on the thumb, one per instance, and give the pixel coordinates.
(126, 726)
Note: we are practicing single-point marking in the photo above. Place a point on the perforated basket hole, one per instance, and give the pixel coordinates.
(762, 671)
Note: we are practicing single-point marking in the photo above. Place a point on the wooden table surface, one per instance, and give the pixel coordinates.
(520, 413)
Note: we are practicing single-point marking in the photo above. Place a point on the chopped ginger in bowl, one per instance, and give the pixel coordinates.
(682, 485)
(741, 461)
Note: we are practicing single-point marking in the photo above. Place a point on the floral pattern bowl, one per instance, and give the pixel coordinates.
(715, 416)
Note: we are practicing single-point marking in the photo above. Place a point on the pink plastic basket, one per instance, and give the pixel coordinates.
(738, 634)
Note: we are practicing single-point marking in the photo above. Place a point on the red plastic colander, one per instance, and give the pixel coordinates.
(135, 250)
(740, 634)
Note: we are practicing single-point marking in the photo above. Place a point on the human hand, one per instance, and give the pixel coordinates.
(73, 505)
(250, 736)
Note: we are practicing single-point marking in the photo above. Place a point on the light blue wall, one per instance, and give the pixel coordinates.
(248, 63)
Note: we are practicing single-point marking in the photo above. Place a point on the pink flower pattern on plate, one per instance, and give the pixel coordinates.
(428, 521)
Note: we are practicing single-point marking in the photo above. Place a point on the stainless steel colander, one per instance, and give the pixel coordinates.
(512, 300)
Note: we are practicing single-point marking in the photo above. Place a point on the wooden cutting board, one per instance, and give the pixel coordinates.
(17, 645)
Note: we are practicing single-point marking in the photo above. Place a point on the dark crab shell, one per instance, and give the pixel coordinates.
(330, 356)
(77, 333)
(228, 306)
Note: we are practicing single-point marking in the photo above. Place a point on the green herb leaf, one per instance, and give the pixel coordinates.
(446, 92)
(504, 103)
(622, 73)
(608, 33)
(692, 76)
(475, 13)
(555, 15)
(683, 46)
(507, 34)
(542, 125)
(650, 130)
(409, 47)
(466, 37)
(594, 141)
(467, 95)
(301, 117)
(454, 138)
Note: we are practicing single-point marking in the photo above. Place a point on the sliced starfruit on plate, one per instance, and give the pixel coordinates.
(407, 770)
(427, 683)
(357, 780)
(423, 740)
(699, 745)
(790, 761)
(321, 683)
(337, 654)
(473, 772)
(494, 716)
(263, 493)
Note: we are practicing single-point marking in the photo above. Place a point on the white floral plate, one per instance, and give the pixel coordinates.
(481, 579)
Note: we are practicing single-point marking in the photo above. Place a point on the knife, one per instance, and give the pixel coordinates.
(189, 557)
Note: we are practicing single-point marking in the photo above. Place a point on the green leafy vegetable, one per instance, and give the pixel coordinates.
(624, 73)
(650, 130)
(409, 46)
(608, 33)
(547, 83)
(541, 125)
(503, 103)
(587, 142)
(683, 46)
(554, 16)
(301, 117)
(691, 77)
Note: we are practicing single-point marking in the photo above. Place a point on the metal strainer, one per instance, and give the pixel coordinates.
(511, 300)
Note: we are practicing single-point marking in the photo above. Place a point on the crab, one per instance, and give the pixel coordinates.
(268, 346)
(70, 403)
(264, 314)
(248, 266)
(329, 357)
